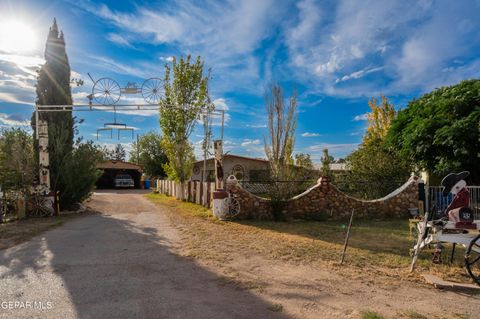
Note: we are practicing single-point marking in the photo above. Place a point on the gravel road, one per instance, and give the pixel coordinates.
(119, 263)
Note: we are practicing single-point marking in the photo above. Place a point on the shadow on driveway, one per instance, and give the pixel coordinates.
(100, 266)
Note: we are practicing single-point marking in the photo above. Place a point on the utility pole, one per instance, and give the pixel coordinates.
(138, 151)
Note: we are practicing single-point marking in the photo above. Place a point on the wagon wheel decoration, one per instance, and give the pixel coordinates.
(152, 90)
(232, 207)
(106, 91)
(472, 259)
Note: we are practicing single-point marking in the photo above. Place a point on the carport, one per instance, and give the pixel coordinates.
(113, 168)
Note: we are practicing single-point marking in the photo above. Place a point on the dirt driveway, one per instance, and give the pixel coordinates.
(128, 261)
(120, 263)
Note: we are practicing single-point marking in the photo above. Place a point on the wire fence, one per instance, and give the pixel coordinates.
(436, 201)
(264, 188)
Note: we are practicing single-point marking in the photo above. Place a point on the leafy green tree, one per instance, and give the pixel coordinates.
(53, 88)
(379, 119)
(80, 173)
(303, 160)
(186, 97)
(17, 166)
(373, 169)
(326, 161)
(148, 153)
(373, 172)
(440, 131)
(77, 172)
(118, 153)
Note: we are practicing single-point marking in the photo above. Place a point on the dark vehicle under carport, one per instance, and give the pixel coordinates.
(113, 168)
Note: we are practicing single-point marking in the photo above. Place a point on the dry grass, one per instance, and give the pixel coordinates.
(376, 247)
(16, 232)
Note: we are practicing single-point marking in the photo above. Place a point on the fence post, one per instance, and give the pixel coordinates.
(212, 189)
(421, 197)
(204, 194)
(190, 191)
(197, 192)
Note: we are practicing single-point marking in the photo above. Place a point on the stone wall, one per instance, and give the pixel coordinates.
(325, 200)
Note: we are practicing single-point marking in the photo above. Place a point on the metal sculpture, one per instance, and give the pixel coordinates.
(107, 91)
(110, 126)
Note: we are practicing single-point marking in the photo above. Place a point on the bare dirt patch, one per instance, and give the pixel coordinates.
(295, 265)
(19, 231)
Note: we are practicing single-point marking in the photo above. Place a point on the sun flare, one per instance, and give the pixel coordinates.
(16, 36)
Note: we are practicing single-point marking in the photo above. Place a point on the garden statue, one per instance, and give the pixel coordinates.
(458, 211)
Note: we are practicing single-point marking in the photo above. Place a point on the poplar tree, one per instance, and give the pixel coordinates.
(186, 98)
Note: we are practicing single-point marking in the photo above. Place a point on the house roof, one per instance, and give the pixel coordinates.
(236, 156)
(112, 164)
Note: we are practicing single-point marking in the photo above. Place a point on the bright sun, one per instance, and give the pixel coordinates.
(16, 36)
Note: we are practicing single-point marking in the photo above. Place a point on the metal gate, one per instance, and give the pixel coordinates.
(436, 201)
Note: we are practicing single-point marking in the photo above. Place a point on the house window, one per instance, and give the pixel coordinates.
(238, 171)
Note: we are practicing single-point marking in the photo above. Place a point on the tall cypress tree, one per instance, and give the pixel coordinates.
(53, 88)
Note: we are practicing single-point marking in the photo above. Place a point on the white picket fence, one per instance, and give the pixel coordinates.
(194, 191)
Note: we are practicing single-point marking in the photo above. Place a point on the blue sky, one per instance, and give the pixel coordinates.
(337, 54)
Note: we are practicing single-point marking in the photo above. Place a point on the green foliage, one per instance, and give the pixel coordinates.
(53, 88)
(148, 152)
(440, 131)
(326, 161)
(17, 167)
(79, 173)
(371, 315)
(186, 97)
(303, 160)
(118, 153)
(374, 172)
(379, 119)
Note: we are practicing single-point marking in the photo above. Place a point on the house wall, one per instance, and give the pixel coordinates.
(228, 164)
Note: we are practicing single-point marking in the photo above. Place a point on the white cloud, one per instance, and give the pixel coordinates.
(128, 146)
(334, 149)
(228, 142)
(411, 44)
(13, 120)
(257, 125)
(247, 142)
(307, 134)
(119, 39)
(132, 69)
(220, 104)
(361, 117)
(18, 77)
(166, 59)
(358, 74)
(225, 34)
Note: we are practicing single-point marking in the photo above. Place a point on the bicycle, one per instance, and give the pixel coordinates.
(232, 206)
